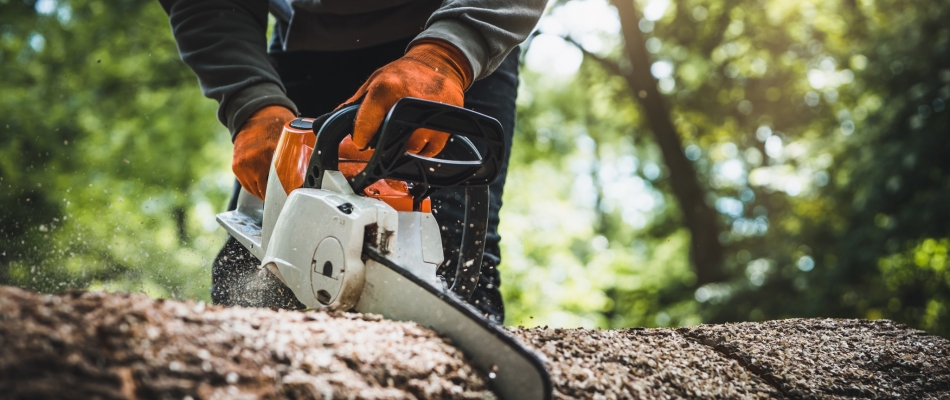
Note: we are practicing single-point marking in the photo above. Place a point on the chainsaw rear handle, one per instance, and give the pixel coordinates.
(460, 163)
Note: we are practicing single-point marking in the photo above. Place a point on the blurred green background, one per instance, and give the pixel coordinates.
(675, 163)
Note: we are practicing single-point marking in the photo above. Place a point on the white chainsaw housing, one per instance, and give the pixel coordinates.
(314, 243)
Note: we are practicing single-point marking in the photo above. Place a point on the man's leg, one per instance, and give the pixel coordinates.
(493, 96)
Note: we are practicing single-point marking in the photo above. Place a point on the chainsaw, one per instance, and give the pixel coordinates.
(369, 243)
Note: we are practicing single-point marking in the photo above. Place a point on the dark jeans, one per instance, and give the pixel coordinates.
(318, 82)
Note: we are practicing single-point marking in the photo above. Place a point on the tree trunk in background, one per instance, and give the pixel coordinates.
(706, 253)
(180, 215)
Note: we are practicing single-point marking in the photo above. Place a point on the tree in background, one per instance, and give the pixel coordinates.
(109, 162)
(814, 127)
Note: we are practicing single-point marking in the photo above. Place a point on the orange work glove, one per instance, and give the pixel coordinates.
(432, 70)
(254, 147)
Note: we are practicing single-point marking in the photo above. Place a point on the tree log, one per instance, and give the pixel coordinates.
(128, 346)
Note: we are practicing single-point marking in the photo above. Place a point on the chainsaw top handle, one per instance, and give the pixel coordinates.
(460, 164)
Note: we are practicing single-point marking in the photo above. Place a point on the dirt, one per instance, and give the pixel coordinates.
(95, 345)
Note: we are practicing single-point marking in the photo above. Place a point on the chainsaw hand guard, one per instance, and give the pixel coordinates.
(460, 164)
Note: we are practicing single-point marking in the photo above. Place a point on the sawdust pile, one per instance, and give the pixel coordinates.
(112, 346)
(641, 363)
(794, 358)
(836, 359)
(91, 345)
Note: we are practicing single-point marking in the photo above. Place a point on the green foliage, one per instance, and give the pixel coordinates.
(575, 231)
(872, 150)
(112, 163)
(819, 130)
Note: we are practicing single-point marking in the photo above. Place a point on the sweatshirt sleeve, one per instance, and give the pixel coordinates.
(484, 30)
(224, 43)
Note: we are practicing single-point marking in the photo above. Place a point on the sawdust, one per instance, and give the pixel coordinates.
(258, 289)
(639, 363)
(94, 345)
(795, 358)
(238, 280)
(836, 359)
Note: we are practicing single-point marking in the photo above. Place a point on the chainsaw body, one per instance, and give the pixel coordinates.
(355, 244)
(319, 259)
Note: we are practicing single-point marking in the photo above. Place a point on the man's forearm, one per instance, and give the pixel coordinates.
(224, 43)
(484, 30)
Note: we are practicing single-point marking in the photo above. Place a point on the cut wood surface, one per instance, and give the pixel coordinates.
(97, 345)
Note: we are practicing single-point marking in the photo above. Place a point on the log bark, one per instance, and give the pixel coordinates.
(706, 253)
(122, 346)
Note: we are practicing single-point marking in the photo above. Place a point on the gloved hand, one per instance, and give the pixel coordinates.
(254, 147)
(432, 70)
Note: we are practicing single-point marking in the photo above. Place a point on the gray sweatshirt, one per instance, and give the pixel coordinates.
(224, 41)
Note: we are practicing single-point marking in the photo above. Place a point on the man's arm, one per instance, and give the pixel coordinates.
(484, 30)
(463, 40)
(224, 43)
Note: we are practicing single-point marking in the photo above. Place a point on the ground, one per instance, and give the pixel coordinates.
(96, 345)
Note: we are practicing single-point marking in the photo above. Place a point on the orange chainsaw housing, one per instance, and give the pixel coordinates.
(292, 158)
